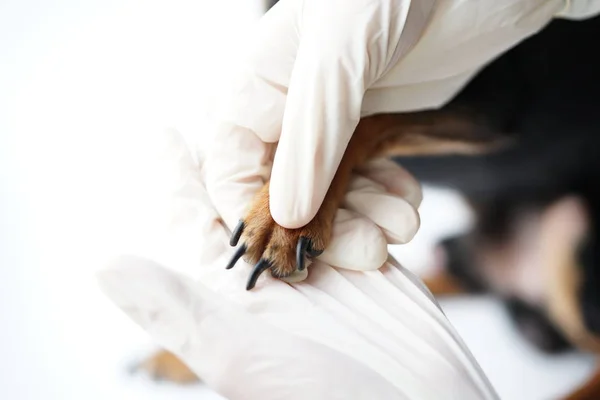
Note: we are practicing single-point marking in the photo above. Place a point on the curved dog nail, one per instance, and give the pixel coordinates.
(236, 256)
(259, 268)
(236, 234)
(313, 253)
(301, 248)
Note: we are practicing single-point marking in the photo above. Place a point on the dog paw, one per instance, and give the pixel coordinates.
(269, 246)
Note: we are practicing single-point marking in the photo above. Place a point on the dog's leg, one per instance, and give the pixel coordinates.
(282, 251)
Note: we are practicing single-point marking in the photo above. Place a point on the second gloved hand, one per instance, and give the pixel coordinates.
(339, 334)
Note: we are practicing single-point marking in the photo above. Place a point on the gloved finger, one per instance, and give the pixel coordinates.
(359, 240)
(237, 167)
(193, 230)
(396, 217)
(235, 352)
(578, 10)
(239, 160)
(395, 179)
(373, 218)
(345, 47)
(356, 243)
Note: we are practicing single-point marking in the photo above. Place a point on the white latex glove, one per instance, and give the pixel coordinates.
(339, 334)
(306, 73)
(315, 67)
(580, 9)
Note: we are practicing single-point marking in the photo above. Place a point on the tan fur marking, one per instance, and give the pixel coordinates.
(166, 366)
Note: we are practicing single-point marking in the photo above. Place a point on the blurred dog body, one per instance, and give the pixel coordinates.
(537, 202)
(545, 92)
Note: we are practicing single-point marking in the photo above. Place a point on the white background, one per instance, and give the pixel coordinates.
(81, 85)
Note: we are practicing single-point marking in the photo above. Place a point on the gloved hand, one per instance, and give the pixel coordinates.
(315, 67)
(580, 9)
(339, 334)
(342, 335)
(301, 86)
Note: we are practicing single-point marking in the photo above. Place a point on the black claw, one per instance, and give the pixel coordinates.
(259, 268)
(236, 256)
(312, 253)
(236, 234)
(301, 248)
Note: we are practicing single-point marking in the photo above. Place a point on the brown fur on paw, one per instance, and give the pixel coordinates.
(165, 366)
(272, 247)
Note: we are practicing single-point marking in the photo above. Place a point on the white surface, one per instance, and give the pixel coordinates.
(82, 83)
